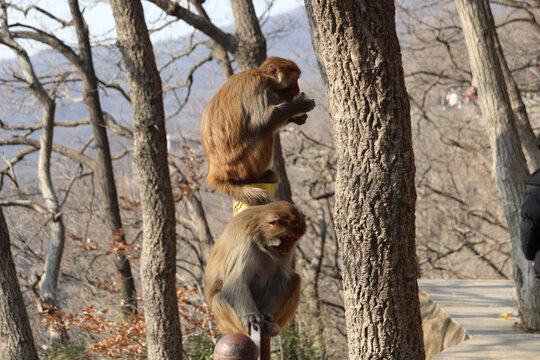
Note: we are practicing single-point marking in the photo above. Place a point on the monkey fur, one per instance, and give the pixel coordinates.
(249, 279)
(239, 122)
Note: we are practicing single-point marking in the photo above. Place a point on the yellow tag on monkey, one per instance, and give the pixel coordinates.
(239, 206)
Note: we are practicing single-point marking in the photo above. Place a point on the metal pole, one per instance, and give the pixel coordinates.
(262, 342)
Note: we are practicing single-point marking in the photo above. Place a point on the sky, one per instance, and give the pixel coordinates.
(98, 15)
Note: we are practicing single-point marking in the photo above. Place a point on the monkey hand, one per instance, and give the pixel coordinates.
(253, 322)
(308, 103)
(300, 120)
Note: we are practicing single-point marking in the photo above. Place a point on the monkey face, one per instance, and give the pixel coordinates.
(284, 222)
(289, 86)
(286, 244)
(286, 73)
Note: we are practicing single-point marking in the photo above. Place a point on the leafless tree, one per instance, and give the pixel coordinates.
(83, 63)
(509, 161)
(164, 335)
(452, 151)
(17, 340)
(375, 192)
(104, 168)
(49, 279)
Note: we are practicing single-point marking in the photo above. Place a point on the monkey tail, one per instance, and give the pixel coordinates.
(248, 195)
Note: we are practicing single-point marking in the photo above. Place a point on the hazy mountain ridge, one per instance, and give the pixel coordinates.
(206, 79)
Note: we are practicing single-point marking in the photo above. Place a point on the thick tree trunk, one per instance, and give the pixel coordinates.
(49, 280)
(158, 267)
(16, 341)
(104, 168)
(251, 49)
(375, 191)
(508, 158)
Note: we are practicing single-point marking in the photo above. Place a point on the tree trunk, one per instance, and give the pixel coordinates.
(199, 225)
(104, 169)
(508, 159)
(375, 190)
(49, 280)
(315, 324)
(283, 188)
(525, 131)
(158, 268)
(251, 49)
(16, 341)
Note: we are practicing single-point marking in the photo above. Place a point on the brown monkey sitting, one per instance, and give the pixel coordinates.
(239, 122)
(249, 279)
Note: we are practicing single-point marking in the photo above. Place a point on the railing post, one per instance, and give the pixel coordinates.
(235, 347)
(262, 342)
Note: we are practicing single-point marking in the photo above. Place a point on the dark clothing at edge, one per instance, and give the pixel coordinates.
(530, 221)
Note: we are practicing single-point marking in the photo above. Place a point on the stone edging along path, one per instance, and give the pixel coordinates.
(465, 319)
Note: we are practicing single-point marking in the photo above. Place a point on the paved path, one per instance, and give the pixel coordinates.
(476, 306)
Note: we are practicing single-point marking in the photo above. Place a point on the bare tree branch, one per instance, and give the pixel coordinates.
(59, 149)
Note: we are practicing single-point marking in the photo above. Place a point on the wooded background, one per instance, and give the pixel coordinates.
(93, 128)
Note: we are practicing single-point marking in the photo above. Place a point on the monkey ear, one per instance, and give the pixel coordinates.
(272, 219)
(273, 71)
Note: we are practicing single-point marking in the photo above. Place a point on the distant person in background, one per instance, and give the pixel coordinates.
(529, 227)
(452, 99)
(470, 95)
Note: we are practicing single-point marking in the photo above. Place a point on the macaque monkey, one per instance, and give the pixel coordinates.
(249, 279)
(239, 122)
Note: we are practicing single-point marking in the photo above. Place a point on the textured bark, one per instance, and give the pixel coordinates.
(103, 165)
(358, 49)
(49, 280)
(16, 341)
(508, 159)
(525, 131)
(158, 267)
(251, 49)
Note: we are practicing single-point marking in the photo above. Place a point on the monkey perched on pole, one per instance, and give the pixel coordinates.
(239, 122)
(249, 279)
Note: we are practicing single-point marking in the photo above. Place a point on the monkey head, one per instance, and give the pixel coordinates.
(285, 74)
(283, 224)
